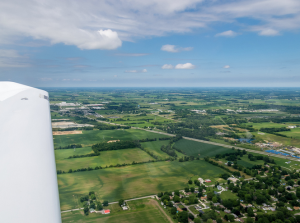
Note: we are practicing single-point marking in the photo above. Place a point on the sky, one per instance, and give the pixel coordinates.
(150, 43)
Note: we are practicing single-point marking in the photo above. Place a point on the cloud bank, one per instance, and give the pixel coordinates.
(105, 24)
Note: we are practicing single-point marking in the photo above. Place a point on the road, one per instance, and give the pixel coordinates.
(133, 199)
(188, 209)
(209, 142)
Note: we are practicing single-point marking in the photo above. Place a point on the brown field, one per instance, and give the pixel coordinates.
(113, 141)
(57, 133)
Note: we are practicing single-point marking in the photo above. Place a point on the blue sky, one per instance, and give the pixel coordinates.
(158, 43)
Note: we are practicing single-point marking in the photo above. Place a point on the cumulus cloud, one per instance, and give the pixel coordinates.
(268, 32)
(136, 71)
(175, 49)
(185, 66)
(228, 33)
(167, 66)
(105, 24)
(226, 66)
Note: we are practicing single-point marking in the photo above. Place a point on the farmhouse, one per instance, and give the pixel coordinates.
(107, 211)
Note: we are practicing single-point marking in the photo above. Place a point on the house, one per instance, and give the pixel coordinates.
(207, 181)
(203, 198)
(221, 206)
(219, 187)
(179, 209)
(227, 211)
(200, 180)
(125, 208)
(296, 208)
(243, 205)
(107, 211)
(272, 209)
(290, 209)
(241, 220)
(235, 216)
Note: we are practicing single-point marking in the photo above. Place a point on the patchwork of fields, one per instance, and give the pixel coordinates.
(106, 158)
(91, 137)
(132, 181)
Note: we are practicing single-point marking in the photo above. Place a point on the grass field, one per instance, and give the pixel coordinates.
(106, 158)
(91, 137)
(145, 211)
(193, 148)
(228, 195)
(295, 133)
(154, 146)
(274, 138)
(266, 125)
(132, 181)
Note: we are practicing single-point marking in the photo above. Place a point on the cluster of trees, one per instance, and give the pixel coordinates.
(267, 159)
(72, 146)
(168, 150)
(115, 145)
(102, 126)
(272, 130)
(235, 173)
(90, 201)
(181, 216)
(86, 155)
(187, 158)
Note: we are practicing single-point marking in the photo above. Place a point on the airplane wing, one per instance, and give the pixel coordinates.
(28, 180)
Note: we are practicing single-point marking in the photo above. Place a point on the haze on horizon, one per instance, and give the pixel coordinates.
(158, 43)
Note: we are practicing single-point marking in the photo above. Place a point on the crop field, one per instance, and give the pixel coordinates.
(106, 158)
(154, 146)
(145, 209)
(266, 125)
(132, 181)
(62, 154)
(91, 137)
(294, 133)
(193, 148)
(141, 121)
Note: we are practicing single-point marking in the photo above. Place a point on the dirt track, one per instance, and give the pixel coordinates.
(58, 133)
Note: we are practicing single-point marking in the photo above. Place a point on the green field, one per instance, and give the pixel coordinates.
(154, 146)
(228, 195)
(193, 148)
(145, 211)
(106, 158)
(274, 138)
(65, 153)
(132, 181)
(266, 125)
(294, 133)
(89, 138)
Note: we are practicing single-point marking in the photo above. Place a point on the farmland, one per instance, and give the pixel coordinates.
(91, 137)
(193, 148)
(145, 209)
(106, 158)
(132, 181)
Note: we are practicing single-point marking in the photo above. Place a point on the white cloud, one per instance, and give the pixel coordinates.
(228, 33)
(167, 66)
(136, 71)
(175, 49)
(226, 66)
(11, 58)
(185, 66)
(268, 32)
(105, 24)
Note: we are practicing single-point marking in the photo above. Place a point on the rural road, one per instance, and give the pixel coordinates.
(209, 142)
(133, 199)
